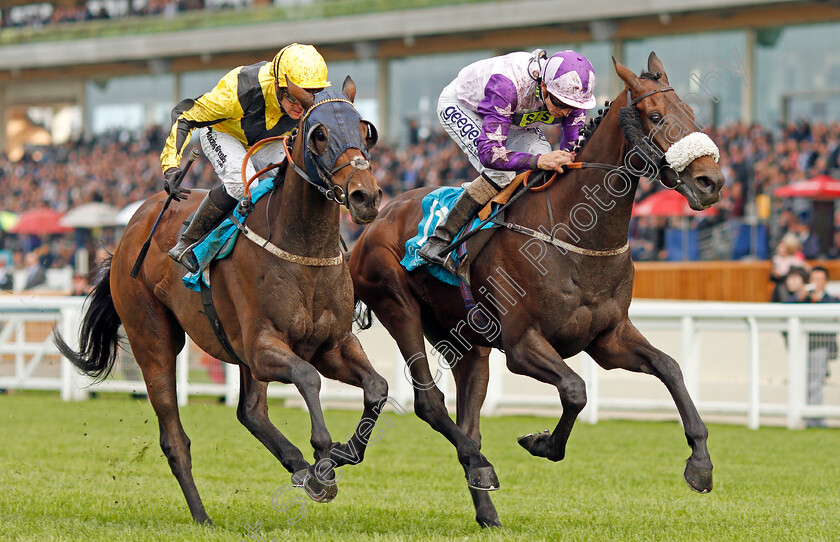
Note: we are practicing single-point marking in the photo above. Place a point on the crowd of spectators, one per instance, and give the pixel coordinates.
(39, 14)
(120, 168)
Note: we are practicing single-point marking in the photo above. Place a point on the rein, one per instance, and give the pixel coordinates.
(332, 192)
(631, 103)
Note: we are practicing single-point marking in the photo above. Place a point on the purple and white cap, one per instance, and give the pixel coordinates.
(569, 77)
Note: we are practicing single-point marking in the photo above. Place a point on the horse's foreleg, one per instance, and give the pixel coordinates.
(626, 347)
(533, 356)
(273, 361)
(252, 412)
(472, 373)
(348, 363)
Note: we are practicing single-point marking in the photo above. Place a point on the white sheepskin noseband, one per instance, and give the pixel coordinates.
(690, 148)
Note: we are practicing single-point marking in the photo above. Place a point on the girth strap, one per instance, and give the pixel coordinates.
(215, 323)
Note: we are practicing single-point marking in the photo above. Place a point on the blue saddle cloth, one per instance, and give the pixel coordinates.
(436, 206)
(219, 243)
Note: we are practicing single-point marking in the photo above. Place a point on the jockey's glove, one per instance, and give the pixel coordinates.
(170, 186)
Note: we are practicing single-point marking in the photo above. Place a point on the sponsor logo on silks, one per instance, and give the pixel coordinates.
(525, 118)
(216, 147)
(461, 122)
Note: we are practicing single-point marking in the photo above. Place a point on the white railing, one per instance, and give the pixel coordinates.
(734, 360)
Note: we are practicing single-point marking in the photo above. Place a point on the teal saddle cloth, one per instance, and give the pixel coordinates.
(219, 243)
(436, 206)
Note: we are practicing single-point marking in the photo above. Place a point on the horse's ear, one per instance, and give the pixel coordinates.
(305, 98)
(655, 66)
(349, 88)
(626, 74)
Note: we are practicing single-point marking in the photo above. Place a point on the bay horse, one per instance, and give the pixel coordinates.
(286, 319)
(541, 305)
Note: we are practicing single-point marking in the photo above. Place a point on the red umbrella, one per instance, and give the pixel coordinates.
(41, 221)
(820, 187)
(668, 203)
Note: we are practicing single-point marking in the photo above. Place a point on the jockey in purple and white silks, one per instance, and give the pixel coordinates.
(491, 110)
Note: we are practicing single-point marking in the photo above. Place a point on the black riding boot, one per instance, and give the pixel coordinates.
(215, 206)
(465, 207)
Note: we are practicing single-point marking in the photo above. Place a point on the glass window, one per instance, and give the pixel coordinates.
(798, 73)
(194, 84)
(363, 73)
(414, 88)
(130, 103)
(706, 70)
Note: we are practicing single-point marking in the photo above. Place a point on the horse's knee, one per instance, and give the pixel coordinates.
(429, 405)
(375, 390)
(573, 393)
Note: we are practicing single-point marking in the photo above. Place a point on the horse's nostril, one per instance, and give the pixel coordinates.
(358, 197)
(705, 183)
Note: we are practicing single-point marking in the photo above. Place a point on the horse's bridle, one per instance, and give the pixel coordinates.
(319, 174)
(315, 167)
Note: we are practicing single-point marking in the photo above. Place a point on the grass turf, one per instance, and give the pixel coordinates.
(94, 471)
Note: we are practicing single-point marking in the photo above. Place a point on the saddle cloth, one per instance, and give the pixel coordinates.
(436, 205)
(219, 242)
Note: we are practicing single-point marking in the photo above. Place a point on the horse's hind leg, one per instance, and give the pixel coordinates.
(402, 319)
(252, 412)
(625, 347)
(533, 356)
(472, 373)
(155, 349)
(348, 363)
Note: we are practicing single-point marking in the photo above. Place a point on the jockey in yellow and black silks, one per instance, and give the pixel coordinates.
(250, 103)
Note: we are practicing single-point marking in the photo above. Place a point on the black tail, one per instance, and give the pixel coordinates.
(98, 337)
(362, 315)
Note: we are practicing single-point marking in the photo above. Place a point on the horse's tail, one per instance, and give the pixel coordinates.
(362, 315)
(99, 333)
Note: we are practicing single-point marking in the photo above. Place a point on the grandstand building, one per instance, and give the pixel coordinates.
(126, 66)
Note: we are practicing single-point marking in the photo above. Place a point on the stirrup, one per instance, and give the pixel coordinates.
(186, 258)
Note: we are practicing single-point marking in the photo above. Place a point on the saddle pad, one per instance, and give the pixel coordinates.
(219, 242)
(436, 205)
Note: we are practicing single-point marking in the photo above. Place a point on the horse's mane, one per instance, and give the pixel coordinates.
(592, 124)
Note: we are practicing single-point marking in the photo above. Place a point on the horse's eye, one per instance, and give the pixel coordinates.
(319, 135)
(655, 118)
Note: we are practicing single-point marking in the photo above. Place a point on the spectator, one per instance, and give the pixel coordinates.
(6, 278)
(822, 347)
(36, 274)
(788, 256)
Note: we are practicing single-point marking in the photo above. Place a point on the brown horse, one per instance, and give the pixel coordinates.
(287, 319)
(538, 304)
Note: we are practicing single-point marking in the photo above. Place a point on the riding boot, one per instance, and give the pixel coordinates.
(215, 206)
(477, 194)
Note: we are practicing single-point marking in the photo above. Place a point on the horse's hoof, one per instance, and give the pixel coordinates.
(537, 444)
(317, 490)
(700, 480)
(489, 522)
(483, 478)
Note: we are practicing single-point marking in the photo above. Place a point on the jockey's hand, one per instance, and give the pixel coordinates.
(176, 192)
(555, 160)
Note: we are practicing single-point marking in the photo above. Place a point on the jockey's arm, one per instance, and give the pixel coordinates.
(219, 104)
(496, 110)
(571, 127)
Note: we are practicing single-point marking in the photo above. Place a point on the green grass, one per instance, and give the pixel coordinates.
(94, 471)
